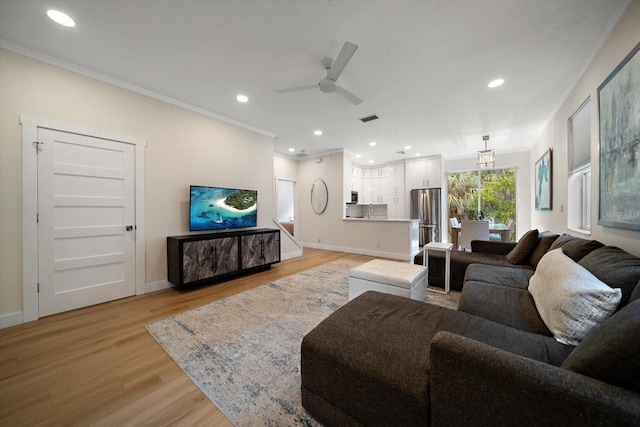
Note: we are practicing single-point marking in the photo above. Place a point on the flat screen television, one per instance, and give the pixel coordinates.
(217, 208)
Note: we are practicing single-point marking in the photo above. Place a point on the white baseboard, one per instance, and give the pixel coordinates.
(157, 286)
(392, 255)
(289, 255)
(17, 318)
(11, 319)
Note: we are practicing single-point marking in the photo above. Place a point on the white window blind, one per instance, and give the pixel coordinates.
(580, 138)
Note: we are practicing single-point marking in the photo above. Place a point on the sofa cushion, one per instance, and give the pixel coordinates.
(615, 267)
(523, 248)
(571, 301)
(460, 260)
(370, 358)
(511, 277)
(611, 352)
(505, 305)
(545, 240)
(575, 247)
(497, 247)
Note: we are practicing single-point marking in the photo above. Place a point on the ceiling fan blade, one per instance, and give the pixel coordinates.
(342, 60)
(296, 89)
(348, 95)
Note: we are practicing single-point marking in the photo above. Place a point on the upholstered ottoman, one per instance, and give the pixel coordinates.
(390, 277)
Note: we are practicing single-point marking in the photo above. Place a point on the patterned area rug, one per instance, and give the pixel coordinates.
(244, 351)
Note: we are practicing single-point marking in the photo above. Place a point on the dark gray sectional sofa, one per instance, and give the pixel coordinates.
(491, 253)
(384, 360)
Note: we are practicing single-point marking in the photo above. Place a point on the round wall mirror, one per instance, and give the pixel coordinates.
(319, 196)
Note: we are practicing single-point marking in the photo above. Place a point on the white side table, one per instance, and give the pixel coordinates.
(438, 246)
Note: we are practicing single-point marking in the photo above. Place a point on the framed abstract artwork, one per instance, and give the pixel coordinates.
(543, 182)
(619, 116)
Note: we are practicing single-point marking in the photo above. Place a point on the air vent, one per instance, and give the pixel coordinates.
(368, 118)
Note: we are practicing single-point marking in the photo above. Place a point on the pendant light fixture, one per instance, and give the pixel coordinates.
(486, 158)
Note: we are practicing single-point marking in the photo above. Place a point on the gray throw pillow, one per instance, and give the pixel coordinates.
(615, 267)
(575, 247)
(523, 248)
(545, 240)
(611, 353)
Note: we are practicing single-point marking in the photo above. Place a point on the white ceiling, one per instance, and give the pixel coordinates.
(421, 66)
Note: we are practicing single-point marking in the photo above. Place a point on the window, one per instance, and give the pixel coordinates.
(490, 194)
(579, 168)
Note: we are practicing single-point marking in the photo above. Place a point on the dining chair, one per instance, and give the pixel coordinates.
(510, 224)
(453, 223)
(473, 230)
(494, 237)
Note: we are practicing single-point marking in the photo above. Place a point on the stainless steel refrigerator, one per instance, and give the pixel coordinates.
(426, 207)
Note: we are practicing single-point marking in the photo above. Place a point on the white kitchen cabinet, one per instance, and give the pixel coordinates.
(356, 179)
(433, 172)
(373, 185)
(376, 190)
(365, 195)
(395, 191)
(356, 184)
(374, 172)
(379, 172)
(426, 172)
(396, 206)
(394, 182)
(372, 190)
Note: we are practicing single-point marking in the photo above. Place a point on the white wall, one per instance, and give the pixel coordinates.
(619, 43)
(183, 148)
(329, 230)
(524, 176)
(312, 228)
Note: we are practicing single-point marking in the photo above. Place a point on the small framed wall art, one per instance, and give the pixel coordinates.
(543, 182)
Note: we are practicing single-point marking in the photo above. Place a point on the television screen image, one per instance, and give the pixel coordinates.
(216, 208)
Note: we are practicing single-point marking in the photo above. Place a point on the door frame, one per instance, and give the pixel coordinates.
(30, 125)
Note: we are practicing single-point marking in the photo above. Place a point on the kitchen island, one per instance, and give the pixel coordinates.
(381, 237)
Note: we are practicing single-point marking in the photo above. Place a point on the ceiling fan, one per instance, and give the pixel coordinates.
(334, 69)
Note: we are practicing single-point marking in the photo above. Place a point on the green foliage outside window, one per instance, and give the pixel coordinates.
(498, 196)
(497, 191)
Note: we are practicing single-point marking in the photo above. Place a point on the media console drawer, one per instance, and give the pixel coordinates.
(197, 259)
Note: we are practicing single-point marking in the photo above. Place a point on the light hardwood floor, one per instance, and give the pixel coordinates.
(100, 366)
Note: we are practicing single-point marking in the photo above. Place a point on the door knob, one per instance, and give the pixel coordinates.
(129, 227)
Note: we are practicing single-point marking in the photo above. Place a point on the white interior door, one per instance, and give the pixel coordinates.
(86, 213)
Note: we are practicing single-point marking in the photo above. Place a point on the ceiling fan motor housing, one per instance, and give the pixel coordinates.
(327, 85)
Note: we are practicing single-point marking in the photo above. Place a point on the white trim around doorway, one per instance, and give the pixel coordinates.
(30, 125)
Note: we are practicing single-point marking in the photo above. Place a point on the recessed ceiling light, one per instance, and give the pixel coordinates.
(291, 150)
(407, 147)
(417, 154)
(317, 132)
(496, 83)
(372, 143)
(61, 18)
(358, 156)
(370, 161)
(242, 98)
